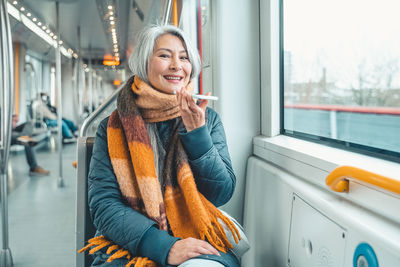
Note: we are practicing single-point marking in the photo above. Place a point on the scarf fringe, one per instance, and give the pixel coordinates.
(100, 242)
(216, 235)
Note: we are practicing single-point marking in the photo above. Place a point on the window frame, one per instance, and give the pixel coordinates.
(336, 143)
(311, 161)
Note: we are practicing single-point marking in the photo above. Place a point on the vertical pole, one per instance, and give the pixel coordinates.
(333, 122)
(80, 77)
(8, 101)
(90, 86)
(167, 12)
(200, 45)
(175, 12)
(82, 86)
(59, 103)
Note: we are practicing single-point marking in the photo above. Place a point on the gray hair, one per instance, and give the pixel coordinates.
(144, 46)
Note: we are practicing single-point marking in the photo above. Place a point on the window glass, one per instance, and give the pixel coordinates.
(341, 72)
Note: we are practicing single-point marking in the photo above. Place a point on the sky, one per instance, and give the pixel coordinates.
(347, 37)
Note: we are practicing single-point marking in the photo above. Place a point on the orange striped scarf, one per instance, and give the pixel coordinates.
(187, 211)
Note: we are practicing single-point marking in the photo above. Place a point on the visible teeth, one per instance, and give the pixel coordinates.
(172, 78)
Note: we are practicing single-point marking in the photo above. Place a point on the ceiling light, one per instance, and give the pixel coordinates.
(60, 42)
(34, 19)
(39, 23)
(36, 29)
(51, 34)
(64, 52)
(44, 28)
(14, 12)
(112, 22)
(29, 14)
(55, 37)
(110, 7)
(110, 13)
(116, 50)
(22, 8)
(75, 55)
(117, 54)
(111, 18)
(113, 29)
(15, 3)
(115, 46)
(48, 31)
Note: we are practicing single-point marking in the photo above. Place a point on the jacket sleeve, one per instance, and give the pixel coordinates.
(210, 161)
(110, 214)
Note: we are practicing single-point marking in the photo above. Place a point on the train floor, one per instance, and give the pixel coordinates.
(41, 214)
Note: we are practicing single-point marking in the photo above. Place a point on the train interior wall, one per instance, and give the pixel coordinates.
(289, 219)
(236, 80)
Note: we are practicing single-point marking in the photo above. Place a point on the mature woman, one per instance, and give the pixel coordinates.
(161, 166)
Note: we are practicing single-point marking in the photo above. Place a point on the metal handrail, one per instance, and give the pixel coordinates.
(3, 75)
(8, 83)
(8, 101)
(99, 110)
(338, 179)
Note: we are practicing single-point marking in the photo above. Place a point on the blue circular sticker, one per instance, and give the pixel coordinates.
(363, 255)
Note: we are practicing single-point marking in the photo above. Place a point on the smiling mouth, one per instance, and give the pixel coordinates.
(173, 78)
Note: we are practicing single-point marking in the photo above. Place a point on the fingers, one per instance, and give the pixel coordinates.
(210, 249)
(193, 116)
(186, 102)
(202, 247)
(192, 104)
(203, 102)
(188, 248)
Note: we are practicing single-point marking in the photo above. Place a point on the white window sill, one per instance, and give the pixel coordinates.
(313, 162)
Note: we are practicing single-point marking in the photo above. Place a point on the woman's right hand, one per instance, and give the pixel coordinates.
(188, 248)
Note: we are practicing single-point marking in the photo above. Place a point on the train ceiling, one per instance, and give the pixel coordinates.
(85, 26)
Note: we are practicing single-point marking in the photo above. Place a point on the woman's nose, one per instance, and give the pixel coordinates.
(176, 64)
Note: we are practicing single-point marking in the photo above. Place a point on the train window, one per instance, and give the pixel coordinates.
(33, 77)
(341, 74)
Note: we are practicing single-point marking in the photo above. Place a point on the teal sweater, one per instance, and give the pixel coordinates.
(211, 165)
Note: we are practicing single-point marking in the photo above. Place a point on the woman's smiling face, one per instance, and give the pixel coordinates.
(169, 67)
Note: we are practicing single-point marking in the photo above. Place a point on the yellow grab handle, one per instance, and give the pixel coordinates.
(338, 179)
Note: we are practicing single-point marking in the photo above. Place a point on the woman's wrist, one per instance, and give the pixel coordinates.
(196, 142)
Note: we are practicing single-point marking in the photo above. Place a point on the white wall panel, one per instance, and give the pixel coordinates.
(268, 217)
(237, 83)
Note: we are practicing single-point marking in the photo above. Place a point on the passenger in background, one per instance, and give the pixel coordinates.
(69, 130)
(20, 135)
(160, 165)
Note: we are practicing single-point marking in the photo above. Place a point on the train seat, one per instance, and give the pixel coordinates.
(84, 226)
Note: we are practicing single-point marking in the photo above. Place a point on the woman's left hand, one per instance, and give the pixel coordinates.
(193, 115)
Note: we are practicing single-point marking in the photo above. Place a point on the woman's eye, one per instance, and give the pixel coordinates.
(185, 58)
(164, 56)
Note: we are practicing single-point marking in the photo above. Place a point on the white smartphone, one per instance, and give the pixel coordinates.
(207, 97)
